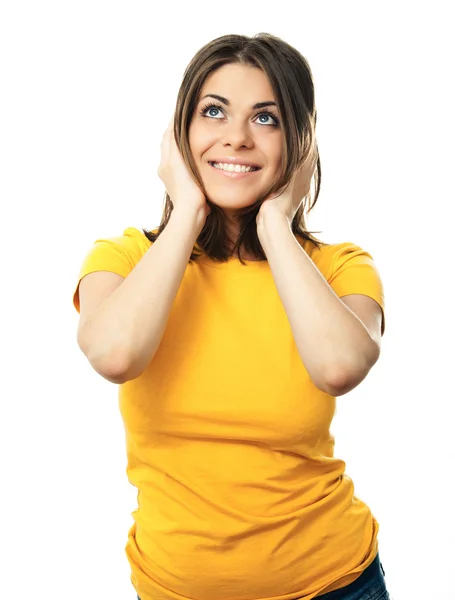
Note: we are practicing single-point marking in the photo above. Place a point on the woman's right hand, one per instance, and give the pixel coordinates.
(184, 192)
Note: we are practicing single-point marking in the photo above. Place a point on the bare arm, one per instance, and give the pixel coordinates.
(126, 329)
(336, 347)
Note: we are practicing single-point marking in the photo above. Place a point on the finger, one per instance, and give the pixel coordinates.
(171, 132)
(167, 136)
(168, 129)
(171, 124)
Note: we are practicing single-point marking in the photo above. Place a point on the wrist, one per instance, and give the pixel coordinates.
(269, 218)
(195, 215)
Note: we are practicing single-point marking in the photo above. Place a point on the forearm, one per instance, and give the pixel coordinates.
(334, 345)
(128, 326)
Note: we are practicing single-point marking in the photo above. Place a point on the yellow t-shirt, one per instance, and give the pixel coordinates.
(228, 441)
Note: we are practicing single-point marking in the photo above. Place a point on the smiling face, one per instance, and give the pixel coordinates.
(232, 128)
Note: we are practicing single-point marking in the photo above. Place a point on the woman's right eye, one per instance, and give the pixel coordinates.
(213, 108)
(209, 108)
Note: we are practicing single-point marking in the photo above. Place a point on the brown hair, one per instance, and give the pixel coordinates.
(292, 84)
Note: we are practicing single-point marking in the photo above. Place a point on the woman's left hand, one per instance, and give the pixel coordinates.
(287, 203)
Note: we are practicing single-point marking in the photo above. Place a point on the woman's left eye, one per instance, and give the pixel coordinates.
(214, 107)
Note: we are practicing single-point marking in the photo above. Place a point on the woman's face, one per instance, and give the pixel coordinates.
(235, 129)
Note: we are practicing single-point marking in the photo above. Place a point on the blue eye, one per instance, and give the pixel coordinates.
(213, 106)
(210, 107)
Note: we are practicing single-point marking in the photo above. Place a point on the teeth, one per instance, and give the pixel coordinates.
(233, 168)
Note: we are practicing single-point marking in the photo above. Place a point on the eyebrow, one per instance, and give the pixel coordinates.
(226, 101)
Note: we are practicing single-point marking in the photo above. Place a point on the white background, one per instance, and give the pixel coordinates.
(87, 90)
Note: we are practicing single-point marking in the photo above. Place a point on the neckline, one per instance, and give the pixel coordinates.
(233, 264)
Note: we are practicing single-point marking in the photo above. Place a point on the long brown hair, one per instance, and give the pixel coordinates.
(292, 82)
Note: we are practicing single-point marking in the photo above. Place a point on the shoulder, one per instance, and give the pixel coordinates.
(132, 241)
(130, 246)
(117, 254)
(329, 258)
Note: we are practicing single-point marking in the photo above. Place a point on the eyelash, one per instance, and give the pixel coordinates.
(264, 112)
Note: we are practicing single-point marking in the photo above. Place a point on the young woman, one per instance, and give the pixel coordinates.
(231, 330)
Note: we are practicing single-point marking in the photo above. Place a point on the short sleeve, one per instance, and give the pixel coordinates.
(118, 254)
(353, 271)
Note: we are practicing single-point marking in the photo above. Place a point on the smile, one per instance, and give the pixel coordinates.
(233, 174)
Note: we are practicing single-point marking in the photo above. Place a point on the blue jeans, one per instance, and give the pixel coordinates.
(369, 586)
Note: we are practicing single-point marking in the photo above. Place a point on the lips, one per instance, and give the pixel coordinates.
(253, 166)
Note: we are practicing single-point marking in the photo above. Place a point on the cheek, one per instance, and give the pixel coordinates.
(274, 164)
(194, 133)
(191, 139)
(199, 143)
(273, 150)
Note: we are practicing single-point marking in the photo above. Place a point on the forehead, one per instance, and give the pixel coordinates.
(239, 84)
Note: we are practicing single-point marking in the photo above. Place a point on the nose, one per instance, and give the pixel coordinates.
(237, 135)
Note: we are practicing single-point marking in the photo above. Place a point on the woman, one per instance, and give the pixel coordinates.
(231, 330)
